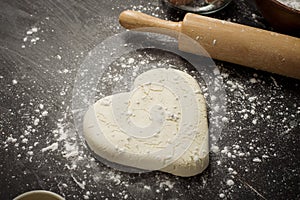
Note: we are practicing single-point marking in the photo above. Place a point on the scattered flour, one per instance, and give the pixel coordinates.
(65, 135)
(10, 139)
(31, 37)
(80, 184)
(14, 82)
(52, 147)
(44, 113)
(230, 182)
(256, 159)
(221, 195)
(147, 187)
(167, 183)
(36, 121)
(32, 30)
(215, 149)
(253, 80)
(130, 60)
(58, 57)
(41, 106)
(291, 3)
(214, 42)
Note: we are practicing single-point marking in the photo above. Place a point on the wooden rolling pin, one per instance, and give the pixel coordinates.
(231, 42)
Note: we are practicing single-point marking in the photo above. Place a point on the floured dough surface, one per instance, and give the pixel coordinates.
(161, 124)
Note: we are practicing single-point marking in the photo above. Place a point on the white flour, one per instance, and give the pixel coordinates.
(31, 37)
(52, 147)
(291, 3)
(230, 182)
(14, 82)
(85, 171)
(64, 140)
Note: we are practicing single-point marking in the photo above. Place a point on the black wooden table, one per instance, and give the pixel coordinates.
(43, 44)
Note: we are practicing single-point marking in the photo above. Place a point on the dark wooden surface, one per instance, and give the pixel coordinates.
(263, 112)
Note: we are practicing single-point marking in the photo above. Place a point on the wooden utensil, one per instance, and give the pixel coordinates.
(231, 42)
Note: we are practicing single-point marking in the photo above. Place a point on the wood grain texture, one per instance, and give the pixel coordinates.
(71, 29)
(231, 42)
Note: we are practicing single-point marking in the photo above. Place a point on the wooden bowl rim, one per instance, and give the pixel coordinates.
(290, 9)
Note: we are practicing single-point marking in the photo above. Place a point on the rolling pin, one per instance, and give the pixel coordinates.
(230, 42)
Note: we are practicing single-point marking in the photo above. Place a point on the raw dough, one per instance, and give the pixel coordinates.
(160, 125)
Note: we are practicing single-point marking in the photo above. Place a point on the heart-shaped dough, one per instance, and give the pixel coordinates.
(161, 124)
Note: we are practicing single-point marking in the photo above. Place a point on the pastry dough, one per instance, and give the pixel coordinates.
(161, 124)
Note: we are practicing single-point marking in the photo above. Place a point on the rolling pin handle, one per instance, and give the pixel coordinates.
(133, 20)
